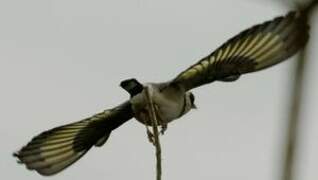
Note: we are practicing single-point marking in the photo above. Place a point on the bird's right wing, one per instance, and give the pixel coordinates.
(54, 150)
(254, 49)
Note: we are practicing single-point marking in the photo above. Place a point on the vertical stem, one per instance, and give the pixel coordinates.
(294, 114)
(153, 118)
(291, 146)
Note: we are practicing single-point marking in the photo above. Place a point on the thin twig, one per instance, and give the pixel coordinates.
(154, 122)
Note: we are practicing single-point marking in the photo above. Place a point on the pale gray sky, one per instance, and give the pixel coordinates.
(62, 60)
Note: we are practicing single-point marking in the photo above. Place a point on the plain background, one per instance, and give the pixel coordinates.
(62, 61)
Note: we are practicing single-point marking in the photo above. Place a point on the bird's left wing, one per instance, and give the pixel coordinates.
(254, 49)
(54, 150)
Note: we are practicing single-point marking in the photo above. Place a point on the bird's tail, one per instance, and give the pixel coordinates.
(54, 150)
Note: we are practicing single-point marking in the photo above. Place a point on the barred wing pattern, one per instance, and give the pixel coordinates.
(52, 151)
(252, 50)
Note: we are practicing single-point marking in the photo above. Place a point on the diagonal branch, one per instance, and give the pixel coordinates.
(154, 122)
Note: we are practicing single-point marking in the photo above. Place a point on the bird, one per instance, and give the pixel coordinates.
(256, 48)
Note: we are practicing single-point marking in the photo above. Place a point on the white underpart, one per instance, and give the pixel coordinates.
(169, 102)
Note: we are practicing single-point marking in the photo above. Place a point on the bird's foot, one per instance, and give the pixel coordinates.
(164, 127)
(150, 135)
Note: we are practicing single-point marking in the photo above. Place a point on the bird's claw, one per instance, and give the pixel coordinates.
(164, 127)
(151, 137)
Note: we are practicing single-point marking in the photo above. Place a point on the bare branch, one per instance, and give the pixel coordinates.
(153, 118)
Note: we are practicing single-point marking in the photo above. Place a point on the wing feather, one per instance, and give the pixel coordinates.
(52, 151)
(254, 49)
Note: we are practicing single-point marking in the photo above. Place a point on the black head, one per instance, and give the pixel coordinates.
(132, 86)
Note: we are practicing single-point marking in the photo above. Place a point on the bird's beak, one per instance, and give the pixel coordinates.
(194, 106)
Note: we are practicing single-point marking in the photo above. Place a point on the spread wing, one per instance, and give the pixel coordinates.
(254, 49)
(52, 151)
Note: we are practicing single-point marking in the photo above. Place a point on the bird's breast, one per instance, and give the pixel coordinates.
(168, 103)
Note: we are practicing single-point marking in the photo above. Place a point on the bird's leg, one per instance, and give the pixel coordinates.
(146, 120)
(163, 124)
(164, 127)
(150, 136)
